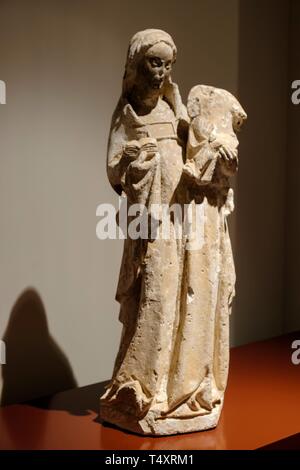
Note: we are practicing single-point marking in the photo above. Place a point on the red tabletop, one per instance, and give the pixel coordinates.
(262, 406)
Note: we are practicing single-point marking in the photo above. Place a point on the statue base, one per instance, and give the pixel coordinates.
(154, 425)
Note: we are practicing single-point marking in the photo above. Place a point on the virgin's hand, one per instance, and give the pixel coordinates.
(145, 161)
(226, 153)
(132, 149)
(148, 150)
(142, 150)
(148, 155)
(225, 147)
(148, 147)
(141, 169)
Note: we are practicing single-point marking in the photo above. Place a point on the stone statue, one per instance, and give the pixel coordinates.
(175, 295)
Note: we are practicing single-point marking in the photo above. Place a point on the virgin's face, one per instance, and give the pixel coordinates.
(157, 65)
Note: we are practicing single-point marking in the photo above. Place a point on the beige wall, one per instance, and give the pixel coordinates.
(63, 61)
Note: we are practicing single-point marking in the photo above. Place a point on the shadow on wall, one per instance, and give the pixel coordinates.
(260, 195)
(35, 364)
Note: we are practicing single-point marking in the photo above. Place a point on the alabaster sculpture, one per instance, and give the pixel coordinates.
(175, 292)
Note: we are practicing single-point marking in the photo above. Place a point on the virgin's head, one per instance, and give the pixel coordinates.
(150, 58)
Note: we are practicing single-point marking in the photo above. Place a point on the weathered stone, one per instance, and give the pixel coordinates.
(175, 293)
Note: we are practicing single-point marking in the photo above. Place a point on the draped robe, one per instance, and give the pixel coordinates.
(174, 299)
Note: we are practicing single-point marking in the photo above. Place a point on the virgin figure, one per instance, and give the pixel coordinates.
(171, 369)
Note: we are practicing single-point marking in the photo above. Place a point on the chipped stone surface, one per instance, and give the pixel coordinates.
(175, 294)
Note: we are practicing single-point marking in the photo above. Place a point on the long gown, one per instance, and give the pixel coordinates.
(174, 299)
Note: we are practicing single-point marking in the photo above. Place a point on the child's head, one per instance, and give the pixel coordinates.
(218, 106)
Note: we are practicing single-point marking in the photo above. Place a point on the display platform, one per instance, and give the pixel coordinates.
(262, 410)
